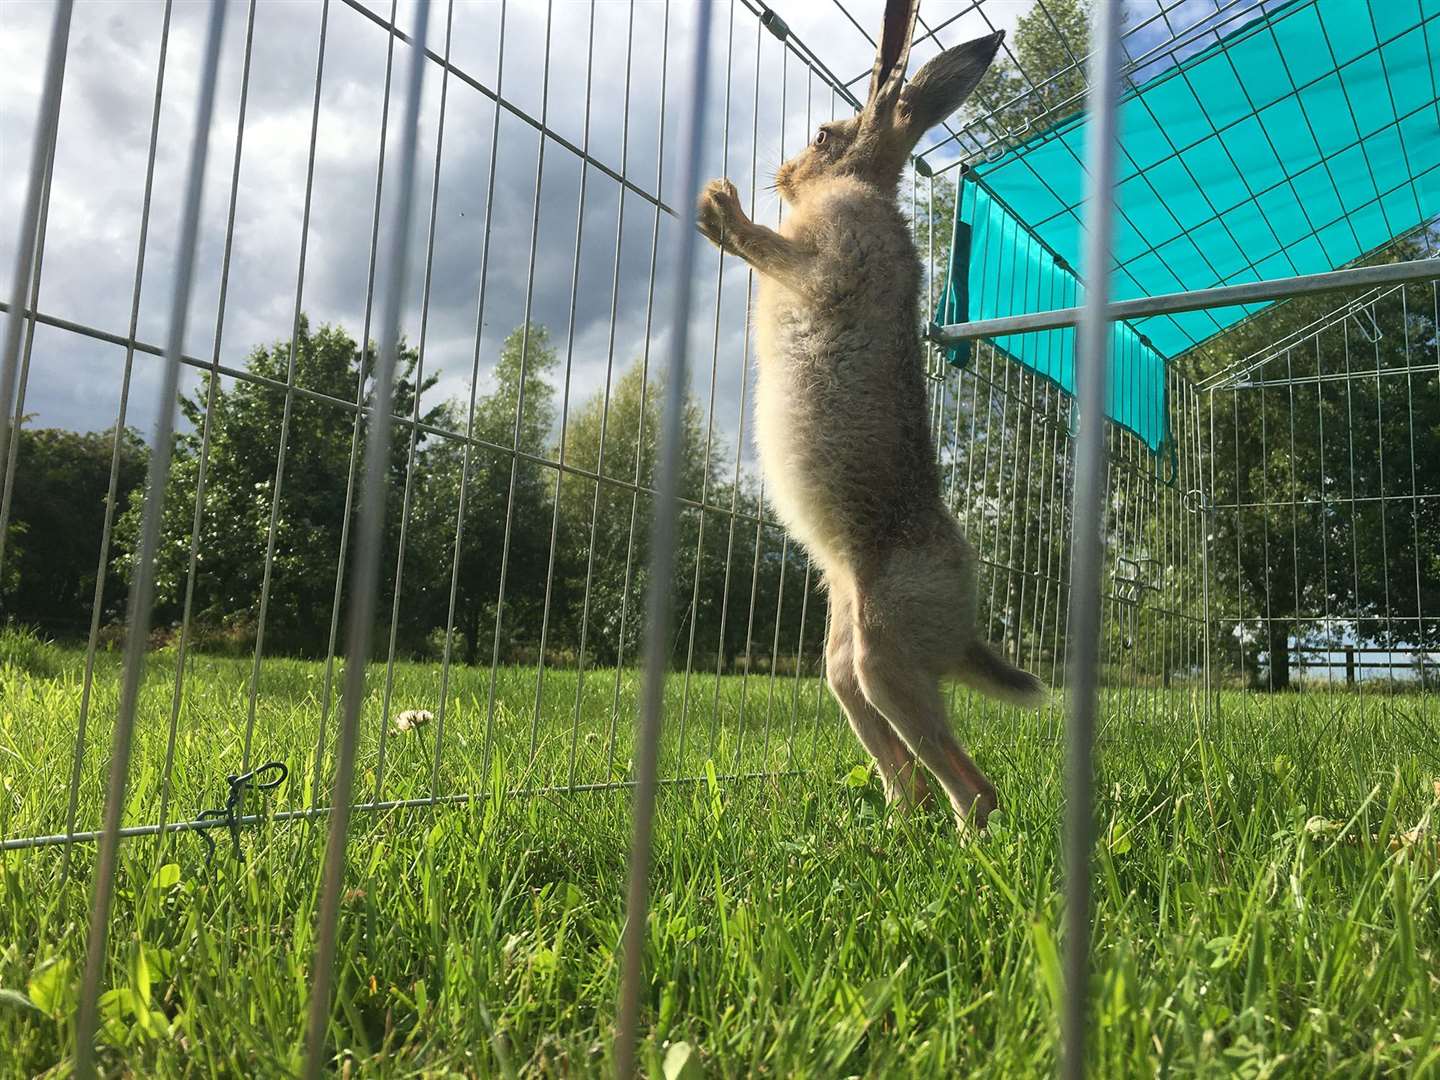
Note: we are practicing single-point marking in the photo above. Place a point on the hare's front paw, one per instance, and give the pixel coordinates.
(719, 212)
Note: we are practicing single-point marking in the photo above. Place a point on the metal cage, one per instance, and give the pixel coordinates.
(1099, 567)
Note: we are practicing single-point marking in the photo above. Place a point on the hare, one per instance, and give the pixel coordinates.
(841, 423)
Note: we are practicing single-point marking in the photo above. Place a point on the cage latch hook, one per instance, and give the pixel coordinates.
(265, 777)
(1130, 588)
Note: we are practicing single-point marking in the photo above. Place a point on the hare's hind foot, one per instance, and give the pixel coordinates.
(901, 774)
(894, 702)
(911, 701)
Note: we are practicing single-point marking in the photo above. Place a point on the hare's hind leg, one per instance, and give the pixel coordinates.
(904, 781)
(899, 654)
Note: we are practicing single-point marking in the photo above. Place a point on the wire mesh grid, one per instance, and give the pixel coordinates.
(770, 620)
(537, 683)
(609, 488)
(1320, 489)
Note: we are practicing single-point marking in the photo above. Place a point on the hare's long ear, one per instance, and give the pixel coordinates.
(893, 54)
(942, 85)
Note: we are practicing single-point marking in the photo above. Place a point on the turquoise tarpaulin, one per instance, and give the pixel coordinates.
(1295, 145)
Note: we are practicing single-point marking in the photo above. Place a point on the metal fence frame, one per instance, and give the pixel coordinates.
(1295, 371)
(1072, 475)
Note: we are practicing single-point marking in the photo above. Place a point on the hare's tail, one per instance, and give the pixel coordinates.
(981, 667)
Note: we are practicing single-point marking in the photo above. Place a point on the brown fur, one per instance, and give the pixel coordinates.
(842, 426)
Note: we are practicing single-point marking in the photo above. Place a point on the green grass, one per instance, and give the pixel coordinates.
(1257, 911)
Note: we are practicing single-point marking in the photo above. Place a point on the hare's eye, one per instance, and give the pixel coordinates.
(821, 136)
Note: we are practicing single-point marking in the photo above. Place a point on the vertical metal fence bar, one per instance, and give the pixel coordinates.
(46, 125)
(18, 417)
(626, 577)
(709, 416)
(1044, 518)
(520, 390)
(821, 677)
(116, 446)
(1131, 502)
(1328, 619)
(784, 536)
(610, 363)
(739, 432)
(1176, 552)
(750, 610)
(1268, 621)
(981, 499)
(1006, 558)
(799, 669)
(1006, 461)
(1380, 507)
(1208, 525)
(467, 453)
(143, 584)
(366, 567)
(1239, 520)
(357, 425)
(1292, 496)
(1025, 511)
(1092, 351)
(1200, 526)
(1180, 556)
(1414, 489)
(414, 434)
(840, 742)
(211, 393)
(1064, 567)
(1054, 558)
(278, 484)
(1357, 629)
(1204, 522)
(774, 649)
(569, 367)
(662, 559)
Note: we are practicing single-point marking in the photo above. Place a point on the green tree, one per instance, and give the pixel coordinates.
(723, 595)
(1039, 79)
(57, 517)
(240, 469)
(526, 358)
(1304, 549)
(605, 522)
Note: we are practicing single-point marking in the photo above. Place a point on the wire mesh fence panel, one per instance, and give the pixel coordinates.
(382, 411)
(508, 620)
(515, 548)
(1324, 509)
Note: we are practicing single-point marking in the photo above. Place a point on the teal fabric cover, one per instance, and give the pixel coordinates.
(1024, 276)
(1294, 145)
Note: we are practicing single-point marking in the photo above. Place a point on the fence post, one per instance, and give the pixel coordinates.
(45, 127)
(662, 565)
(1092, 355)
(142, 587)
(365, 570)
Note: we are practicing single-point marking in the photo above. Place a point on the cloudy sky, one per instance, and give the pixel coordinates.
(95, 210)
(96, 198)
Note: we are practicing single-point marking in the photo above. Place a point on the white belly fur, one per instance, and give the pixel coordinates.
(794, 480)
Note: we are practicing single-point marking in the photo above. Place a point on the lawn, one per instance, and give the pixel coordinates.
(1266, 898)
